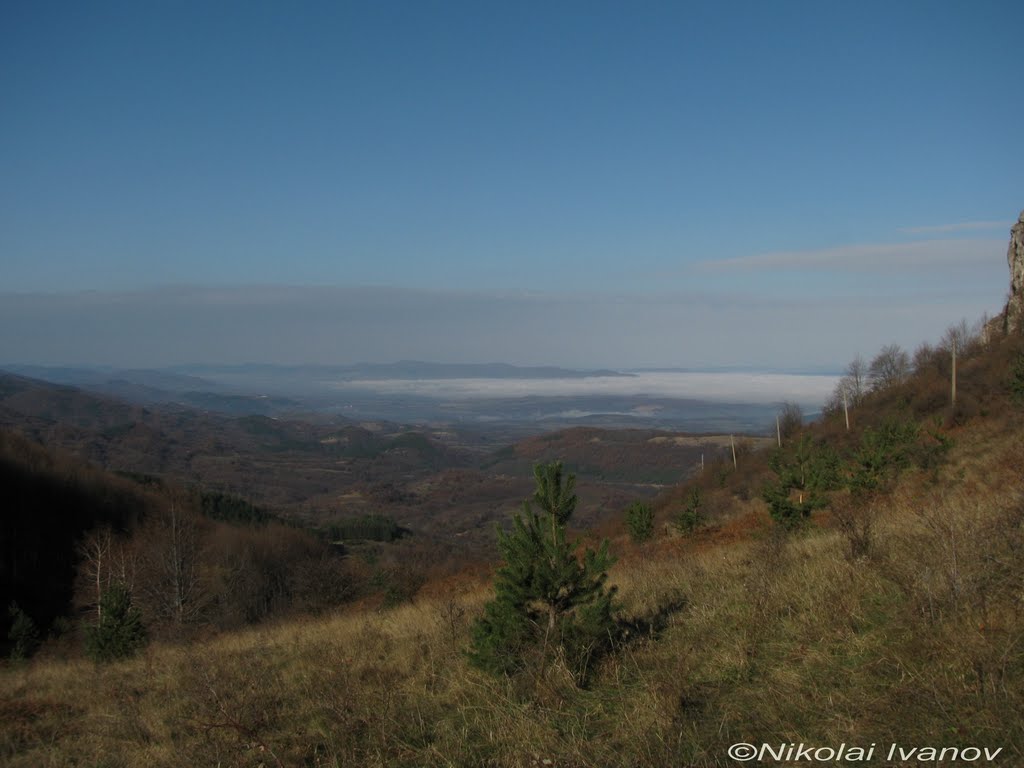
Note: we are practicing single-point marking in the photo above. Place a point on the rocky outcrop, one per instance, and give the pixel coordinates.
(1015, 257)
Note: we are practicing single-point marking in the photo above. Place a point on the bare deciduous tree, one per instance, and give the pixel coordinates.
(170, 582)
(964, 335)
(890, 366)
(105, 559)
(791, 418)
(926, 357)
(94, 554)
(856, 377)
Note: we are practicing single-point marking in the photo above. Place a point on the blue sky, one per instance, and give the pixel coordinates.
(681, 161)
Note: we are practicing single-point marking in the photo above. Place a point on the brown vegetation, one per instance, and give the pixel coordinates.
(776, 639)
(444, 486)
(748, 633)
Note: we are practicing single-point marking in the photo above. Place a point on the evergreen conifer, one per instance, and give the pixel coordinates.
(24, 635)
(120, 632)
(640, 521)
(548, 603)
(690, 517)
(805, 473)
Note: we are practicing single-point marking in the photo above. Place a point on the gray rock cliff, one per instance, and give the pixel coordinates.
(1015, 258)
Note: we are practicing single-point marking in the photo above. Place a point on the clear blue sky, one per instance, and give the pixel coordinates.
(751, 151)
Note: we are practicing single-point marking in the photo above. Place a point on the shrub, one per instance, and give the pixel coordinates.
(640, 521)
(690, 518)
(882, 455)
(119, 632)
(856, 520)
(791, 419)
(400, 585)
(366, 528)
(804, 473)
(1017, 380)
(24, 635)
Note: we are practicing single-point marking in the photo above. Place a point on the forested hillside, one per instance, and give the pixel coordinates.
(859, 584)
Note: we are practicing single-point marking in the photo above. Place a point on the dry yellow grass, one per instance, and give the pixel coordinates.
(764, 640)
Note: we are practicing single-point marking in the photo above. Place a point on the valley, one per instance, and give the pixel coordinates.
(511, 385)
(449, 482)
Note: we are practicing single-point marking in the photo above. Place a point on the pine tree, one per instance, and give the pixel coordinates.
(1017, 380)
(640, 521)
(548, 602)
(24, 635)
(119, 632)
(883, 453)
(690, 517)
(805, 473)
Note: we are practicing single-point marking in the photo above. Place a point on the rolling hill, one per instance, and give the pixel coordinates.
(757, 633)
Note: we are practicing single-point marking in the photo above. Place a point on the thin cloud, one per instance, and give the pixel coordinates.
(719, 387)
(880, 257)
(963, 226)
(325, 324)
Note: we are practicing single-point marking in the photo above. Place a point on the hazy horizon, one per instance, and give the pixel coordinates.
(586, 185)
(320, 325)
(689, 400)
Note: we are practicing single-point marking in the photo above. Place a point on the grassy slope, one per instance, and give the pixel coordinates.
(778, 640)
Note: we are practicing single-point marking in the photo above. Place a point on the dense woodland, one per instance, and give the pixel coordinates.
(191, 559)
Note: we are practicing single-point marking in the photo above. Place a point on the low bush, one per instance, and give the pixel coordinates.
(640, 521)
(119, 633)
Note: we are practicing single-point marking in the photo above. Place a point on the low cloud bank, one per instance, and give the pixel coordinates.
(714, 387)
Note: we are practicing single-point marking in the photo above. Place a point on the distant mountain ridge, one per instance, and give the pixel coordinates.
(403, 369)
(510, 395)
(283, 459)
(241, 389)
(438, 482)
(91, 375)
(137, 385)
